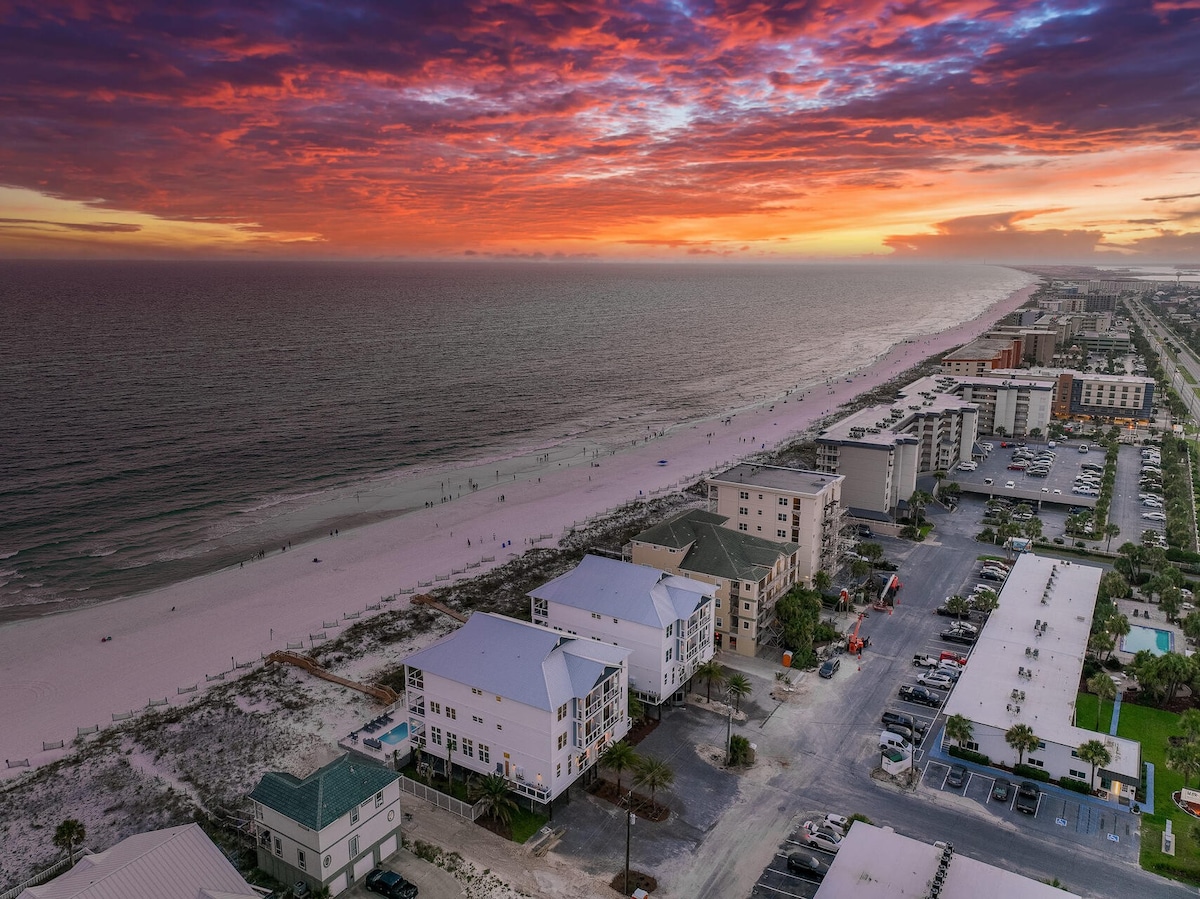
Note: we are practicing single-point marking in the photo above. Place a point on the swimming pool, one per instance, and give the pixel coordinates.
(397, 734)
(1154, 639)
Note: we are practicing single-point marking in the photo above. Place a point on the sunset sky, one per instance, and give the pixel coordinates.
(1006, 132)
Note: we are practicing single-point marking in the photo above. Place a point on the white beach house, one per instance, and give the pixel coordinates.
(330, 828)
(665, 620)
(501, 696)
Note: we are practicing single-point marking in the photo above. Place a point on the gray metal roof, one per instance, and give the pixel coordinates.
(717, 551)
(174, 863)
(325, 795)
(533, 665)
(636, 593)
(798, 481)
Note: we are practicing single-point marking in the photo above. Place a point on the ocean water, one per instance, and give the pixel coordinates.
(156, 417)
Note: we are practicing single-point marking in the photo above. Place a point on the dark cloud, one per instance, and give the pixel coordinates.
(384, 124)
(89, 227)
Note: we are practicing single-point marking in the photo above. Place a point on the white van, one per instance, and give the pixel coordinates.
(1083, 447)
(889, 740)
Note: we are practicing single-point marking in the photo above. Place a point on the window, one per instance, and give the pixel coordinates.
(435, 734)
(745, 607)
(485, 753)
(499, 699)
(468, 748)
(354, 815)
(720, 622)
(671, 629)
(476, 691)
(971, 745)
(435, 707)
(742, 494)
(1080, 775)
(278, 846)
(783, 500)
(499, 727)
(301, 860)
(379, 799)
(782, 516)
(718, 604)
(452, 714)
(562, 711)
(745, 625)
(558, 770)
(781, 533)
(562, 741)
(353, 846)
(1041, 744)
(668, 658)
(596, 615)
(760, 511)
(477, 719)
(743, 510)
(1038, 762)
(742, 526)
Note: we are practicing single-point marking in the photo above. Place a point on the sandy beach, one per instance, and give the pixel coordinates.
(60, 673)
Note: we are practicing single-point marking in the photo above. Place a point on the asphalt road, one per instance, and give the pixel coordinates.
(729, 833)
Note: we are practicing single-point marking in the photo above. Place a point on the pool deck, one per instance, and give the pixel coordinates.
(1136, 612)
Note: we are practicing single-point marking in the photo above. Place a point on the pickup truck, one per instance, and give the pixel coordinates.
(921, 695)
(925, 661)
(958, 637)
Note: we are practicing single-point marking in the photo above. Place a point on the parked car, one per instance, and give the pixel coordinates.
(954, 656)
(958, 637)
(1009, 485)
(1154, 516)
(830, 668)
(967, 466)
(890, 717)
(992, 574)
(920, 695)
(957, 776)
(938, 679)
(925, 661)
(1001, 790)
(817, 838)
(390, 884)
(1027, 798)
(838, 823)
(901, 730)
(808, 864)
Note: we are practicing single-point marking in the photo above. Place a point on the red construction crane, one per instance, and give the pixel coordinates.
(855, 643)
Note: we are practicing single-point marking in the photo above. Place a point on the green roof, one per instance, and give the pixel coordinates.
(325, 795)
(716, 550)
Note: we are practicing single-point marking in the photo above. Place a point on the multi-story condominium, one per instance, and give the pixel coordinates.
(1103, 342)
(787, 505)
(1013, 405)
(501, 696)
(666, 621)
(1037, 343)
(1085, 395)
(1025, 669)
(983, 354)
(882, 450)
(750, 572)
(330, 828)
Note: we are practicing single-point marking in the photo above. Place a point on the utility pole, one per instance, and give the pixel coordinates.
(728, 727)
(628, 831)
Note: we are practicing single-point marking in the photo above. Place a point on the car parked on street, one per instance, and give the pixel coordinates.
(830, 668)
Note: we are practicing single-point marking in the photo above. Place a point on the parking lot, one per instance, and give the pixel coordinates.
(1055, 489)
(777, 880)
(1058, 815)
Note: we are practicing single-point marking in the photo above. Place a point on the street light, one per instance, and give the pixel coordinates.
(629, 819)
(728, 726)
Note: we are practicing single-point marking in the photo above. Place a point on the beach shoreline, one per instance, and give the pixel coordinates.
(59, 673)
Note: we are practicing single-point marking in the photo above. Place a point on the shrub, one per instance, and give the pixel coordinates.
(1079, 786)
(739, 750)
(969, 755)
(1112, 663)
(1029, 772)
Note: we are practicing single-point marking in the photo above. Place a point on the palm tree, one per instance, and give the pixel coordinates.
(634, 707)
(1117, 625)
(958, 606)
(1021, 738)
(1110, 531)
(1094, 752)
(69, 834)
(492, 795)
(1173, 669)
(1104, 688)
(1189, 721)
(822, 581)
(1185, 759)
(653, 774)
(711, 671)
(738, 686)
(959, 729)
(917, 503)
(620, 757)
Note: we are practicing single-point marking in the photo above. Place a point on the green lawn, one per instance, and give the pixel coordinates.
(525, 824)
(1085, 713)
(1152, 727)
